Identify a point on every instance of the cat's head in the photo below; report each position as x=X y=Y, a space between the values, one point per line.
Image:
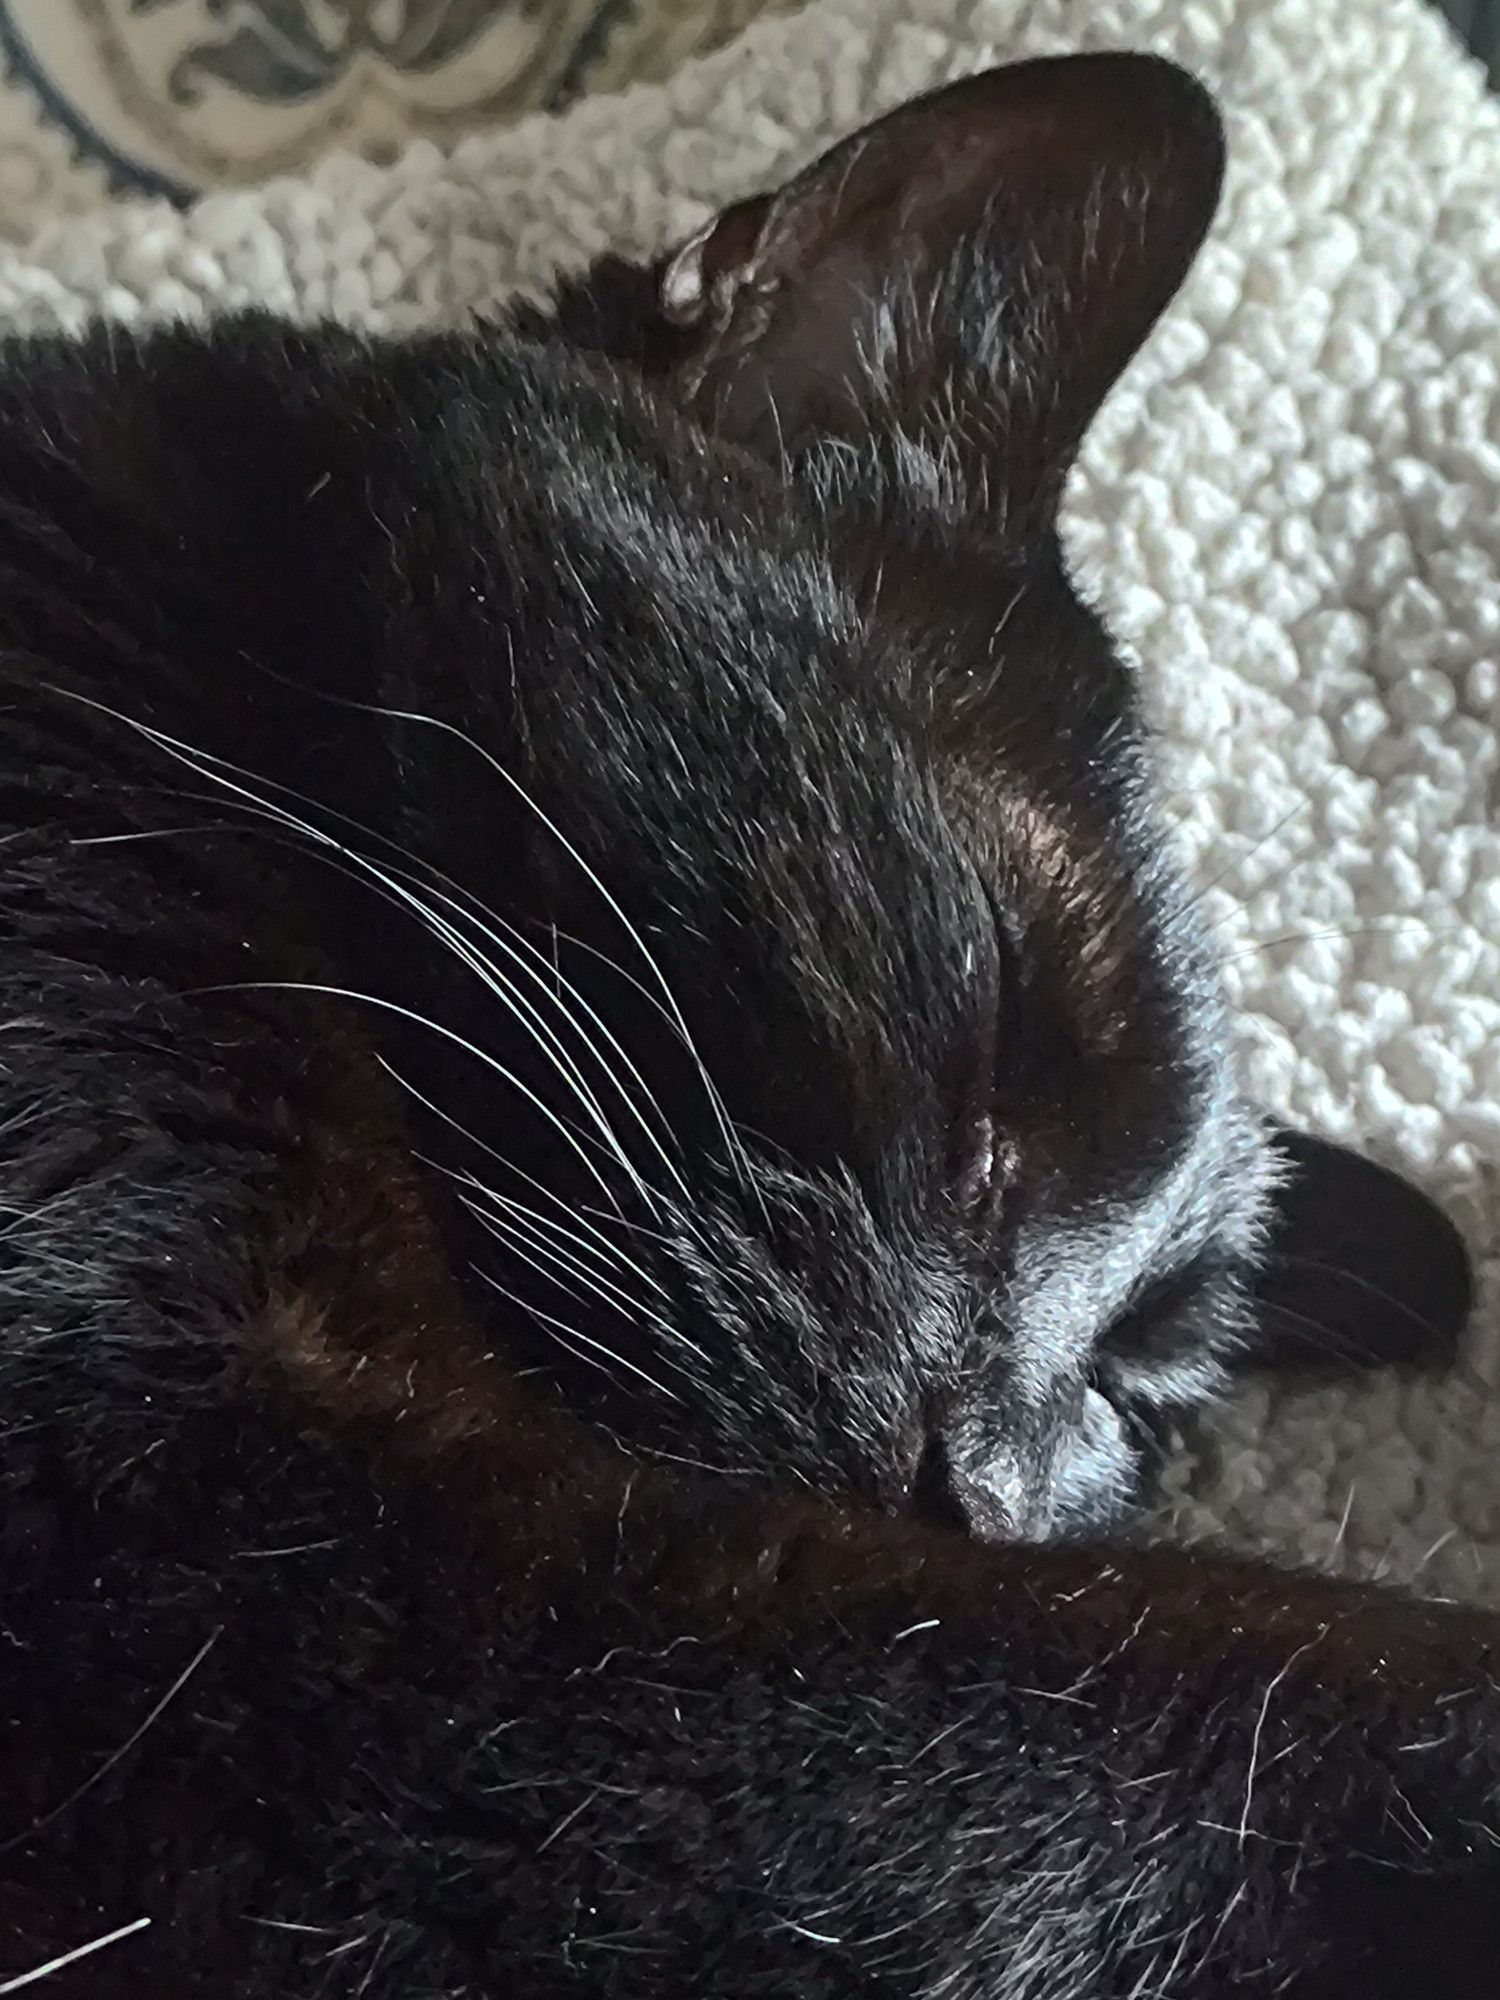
x=856 y=1103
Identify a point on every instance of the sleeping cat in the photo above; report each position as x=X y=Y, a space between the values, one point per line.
x=619 y=1153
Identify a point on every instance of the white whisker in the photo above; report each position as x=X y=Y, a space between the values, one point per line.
x=635 y=1228
x=530 y=1246
x=533 y=1256
x=545 y=1037
x=595 y=1243
x=72 y=1957
x=467 y=1179
x=462 y=901
x=434 y=1027
x=144 y=833
x=115 y=1757
x=591 y=875
x=607 y=1249
x=200 y=761
x=566 y=1335
x=579 y=1243
x=331 y=853
x=188 y=754
x=603 y=1287
x=280 y=816
x=548 y=975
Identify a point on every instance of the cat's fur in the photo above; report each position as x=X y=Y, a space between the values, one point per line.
x=617 y=1142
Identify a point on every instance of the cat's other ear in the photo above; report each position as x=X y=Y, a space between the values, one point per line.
x=977 y=268
x=1362 y=1270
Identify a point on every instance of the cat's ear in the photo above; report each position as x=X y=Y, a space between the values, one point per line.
x=977 y=267
x=1362 y=1270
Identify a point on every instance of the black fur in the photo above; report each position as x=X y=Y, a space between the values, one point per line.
x=615 y=1128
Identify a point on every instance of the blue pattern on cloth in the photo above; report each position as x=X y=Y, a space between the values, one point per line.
x=173 y=97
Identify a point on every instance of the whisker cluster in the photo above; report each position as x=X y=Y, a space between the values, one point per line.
x=607 y=1116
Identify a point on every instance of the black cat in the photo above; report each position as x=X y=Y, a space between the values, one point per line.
x=617 y=1145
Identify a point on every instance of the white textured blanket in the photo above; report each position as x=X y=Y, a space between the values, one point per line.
x=1291 y=509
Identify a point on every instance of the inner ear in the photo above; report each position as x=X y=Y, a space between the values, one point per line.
x=1362 y=1269
x=978 y=265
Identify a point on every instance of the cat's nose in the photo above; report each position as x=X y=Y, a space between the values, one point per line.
x=988 y=1496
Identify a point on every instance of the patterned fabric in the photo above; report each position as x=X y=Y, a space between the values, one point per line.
x=101 y=98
